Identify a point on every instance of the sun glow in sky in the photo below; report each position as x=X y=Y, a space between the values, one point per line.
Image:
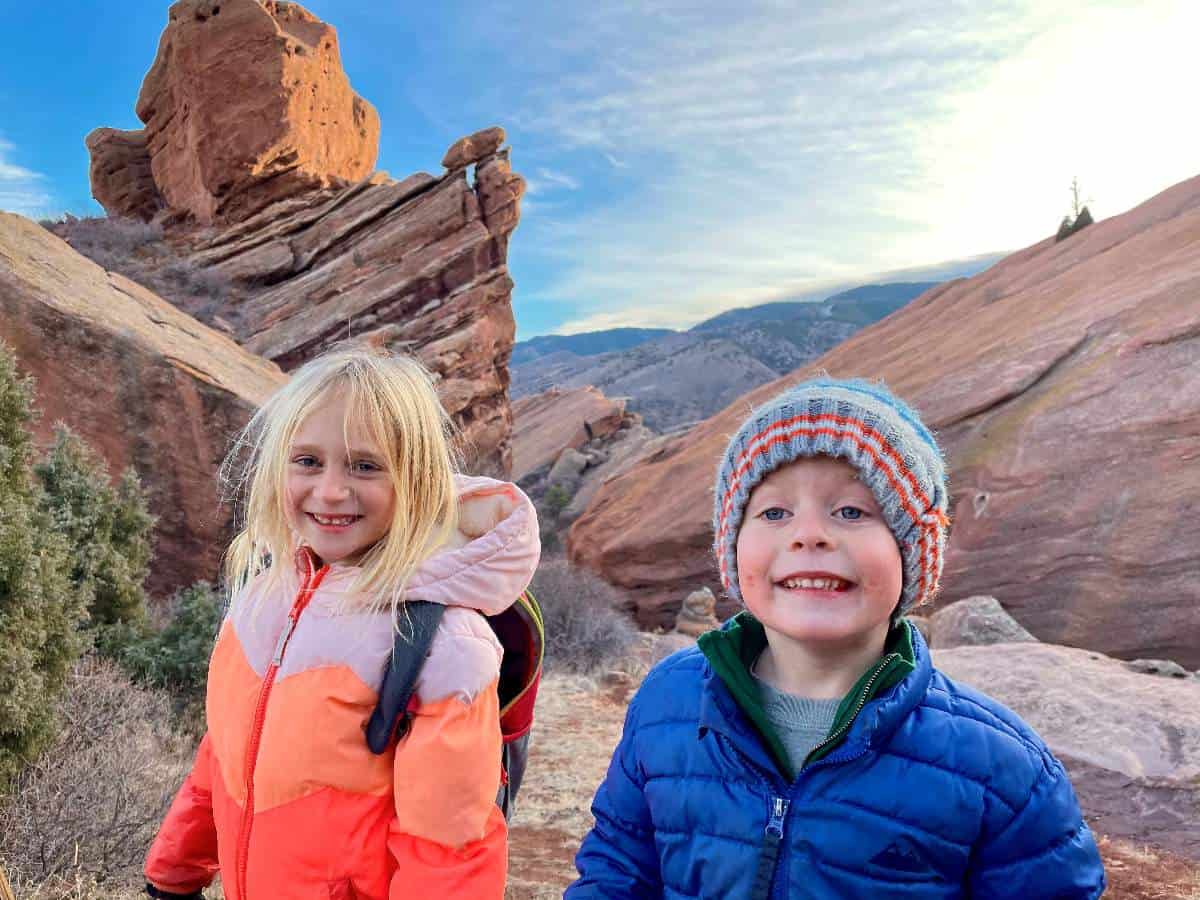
x=687 y=156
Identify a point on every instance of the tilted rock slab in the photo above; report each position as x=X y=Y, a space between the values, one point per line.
x=246 y=103
x=1130 y=742
x=146 y=385
x=1064 y=383
x=547 y=423
x=418 y=265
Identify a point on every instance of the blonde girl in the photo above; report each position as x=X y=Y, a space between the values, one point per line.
x=352 y=507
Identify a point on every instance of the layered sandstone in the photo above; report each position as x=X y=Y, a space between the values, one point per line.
x=246 y=103
x=143 y=383
x=253 y=131
x=1064 y=383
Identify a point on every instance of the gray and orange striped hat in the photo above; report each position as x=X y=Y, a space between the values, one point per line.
x=878 y=434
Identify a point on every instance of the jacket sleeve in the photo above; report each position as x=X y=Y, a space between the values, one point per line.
x=449 y=838
x=1044 y=849
x=183 y=857
x=617 y=857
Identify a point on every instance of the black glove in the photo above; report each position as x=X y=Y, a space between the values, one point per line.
x=167 y=895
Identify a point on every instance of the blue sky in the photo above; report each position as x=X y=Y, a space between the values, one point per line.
x=687 y=157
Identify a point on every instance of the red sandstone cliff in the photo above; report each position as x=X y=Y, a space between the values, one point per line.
x=1064 y=383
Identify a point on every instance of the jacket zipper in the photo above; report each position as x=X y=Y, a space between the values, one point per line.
x=307 y=587
x=862 y=701
x=768 y=861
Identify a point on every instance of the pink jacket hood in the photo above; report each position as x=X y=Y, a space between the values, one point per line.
x=491 y=558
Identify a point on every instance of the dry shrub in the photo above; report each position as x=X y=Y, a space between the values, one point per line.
x=83 y=815
x=585 y=629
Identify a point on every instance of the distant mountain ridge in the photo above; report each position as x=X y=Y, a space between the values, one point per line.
x=587 y=343
x=673 y=378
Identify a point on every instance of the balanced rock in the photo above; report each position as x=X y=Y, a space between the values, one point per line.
x=146 y=385
x=473 y=147
x=246 y=103
x=976 y=620
x=698 y=613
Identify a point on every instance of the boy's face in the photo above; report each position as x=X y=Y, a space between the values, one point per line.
x=816 y=562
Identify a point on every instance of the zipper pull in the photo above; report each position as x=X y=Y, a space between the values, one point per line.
x=779 y=808
x=283 y=639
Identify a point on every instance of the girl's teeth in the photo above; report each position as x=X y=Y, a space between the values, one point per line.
x=327 y=520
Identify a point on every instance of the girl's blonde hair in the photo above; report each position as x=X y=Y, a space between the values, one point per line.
x=392 y=399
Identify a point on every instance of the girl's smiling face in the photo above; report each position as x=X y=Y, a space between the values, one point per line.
x=340 y=498
x=817 y=564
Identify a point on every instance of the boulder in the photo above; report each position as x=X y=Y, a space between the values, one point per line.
x=1130 y=743
x=976 y=620
x=698 y=613
x=1164 y=667
x=567 y=469
x=1064 y=385
x=146 y=385
x=246 y=103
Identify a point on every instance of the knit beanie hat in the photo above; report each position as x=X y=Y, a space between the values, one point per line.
x=871 y=429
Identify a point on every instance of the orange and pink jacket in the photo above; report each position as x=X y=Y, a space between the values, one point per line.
x=286 y=801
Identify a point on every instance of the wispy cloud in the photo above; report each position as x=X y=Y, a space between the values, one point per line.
x=767 y=147
x=559 y=179
x=22 y=190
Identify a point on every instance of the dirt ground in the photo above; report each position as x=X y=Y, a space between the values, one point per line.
x=578 y=724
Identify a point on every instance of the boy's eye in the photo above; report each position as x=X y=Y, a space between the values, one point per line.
x=774 y=513
x=850 y=513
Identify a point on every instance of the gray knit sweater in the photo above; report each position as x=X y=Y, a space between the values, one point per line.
x=800 y=722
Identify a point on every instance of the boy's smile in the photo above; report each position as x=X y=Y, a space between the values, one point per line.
x=817 y=564
x=339 y=500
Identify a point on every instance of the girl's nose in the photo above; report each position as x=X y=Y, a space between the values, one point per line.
x=333 y=485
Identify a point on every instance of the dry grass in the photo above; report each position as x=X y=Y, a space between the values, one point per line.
x=585 y=630
x=81 y=818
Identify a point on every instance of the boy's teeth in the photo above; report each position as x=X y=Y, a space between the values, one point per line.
x=814 y=584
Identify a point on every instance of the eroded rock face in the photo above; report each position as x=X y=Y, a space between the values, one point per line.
x=246 y=103
x=122 y=180
x=146 y=385
x=1064 y=384
x=975 y=620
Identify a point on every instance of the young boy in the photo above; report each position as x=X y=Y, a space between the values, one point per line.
x=809 y=748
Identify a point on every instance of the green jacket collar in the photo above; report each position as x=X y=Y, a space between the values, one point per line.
x=732 y=650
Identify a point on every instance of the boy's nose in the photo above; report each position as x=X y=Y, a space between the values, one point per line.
x=811 y=531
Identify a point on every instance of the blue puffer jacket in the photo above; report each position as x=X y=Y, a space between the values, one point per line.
x=937 y=791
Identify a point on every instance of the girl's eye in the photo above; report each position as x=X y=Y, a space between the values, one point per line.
x=305 y=462
x=774 y=514
x=849 y=513
x=365 y=467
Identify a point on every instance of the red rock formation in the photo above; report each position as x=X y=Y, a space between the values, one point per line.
x=547 y=423
x=143 y=383
x=121 y=175
x=246 y=103
x=1064 y=383
x=252 y=125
